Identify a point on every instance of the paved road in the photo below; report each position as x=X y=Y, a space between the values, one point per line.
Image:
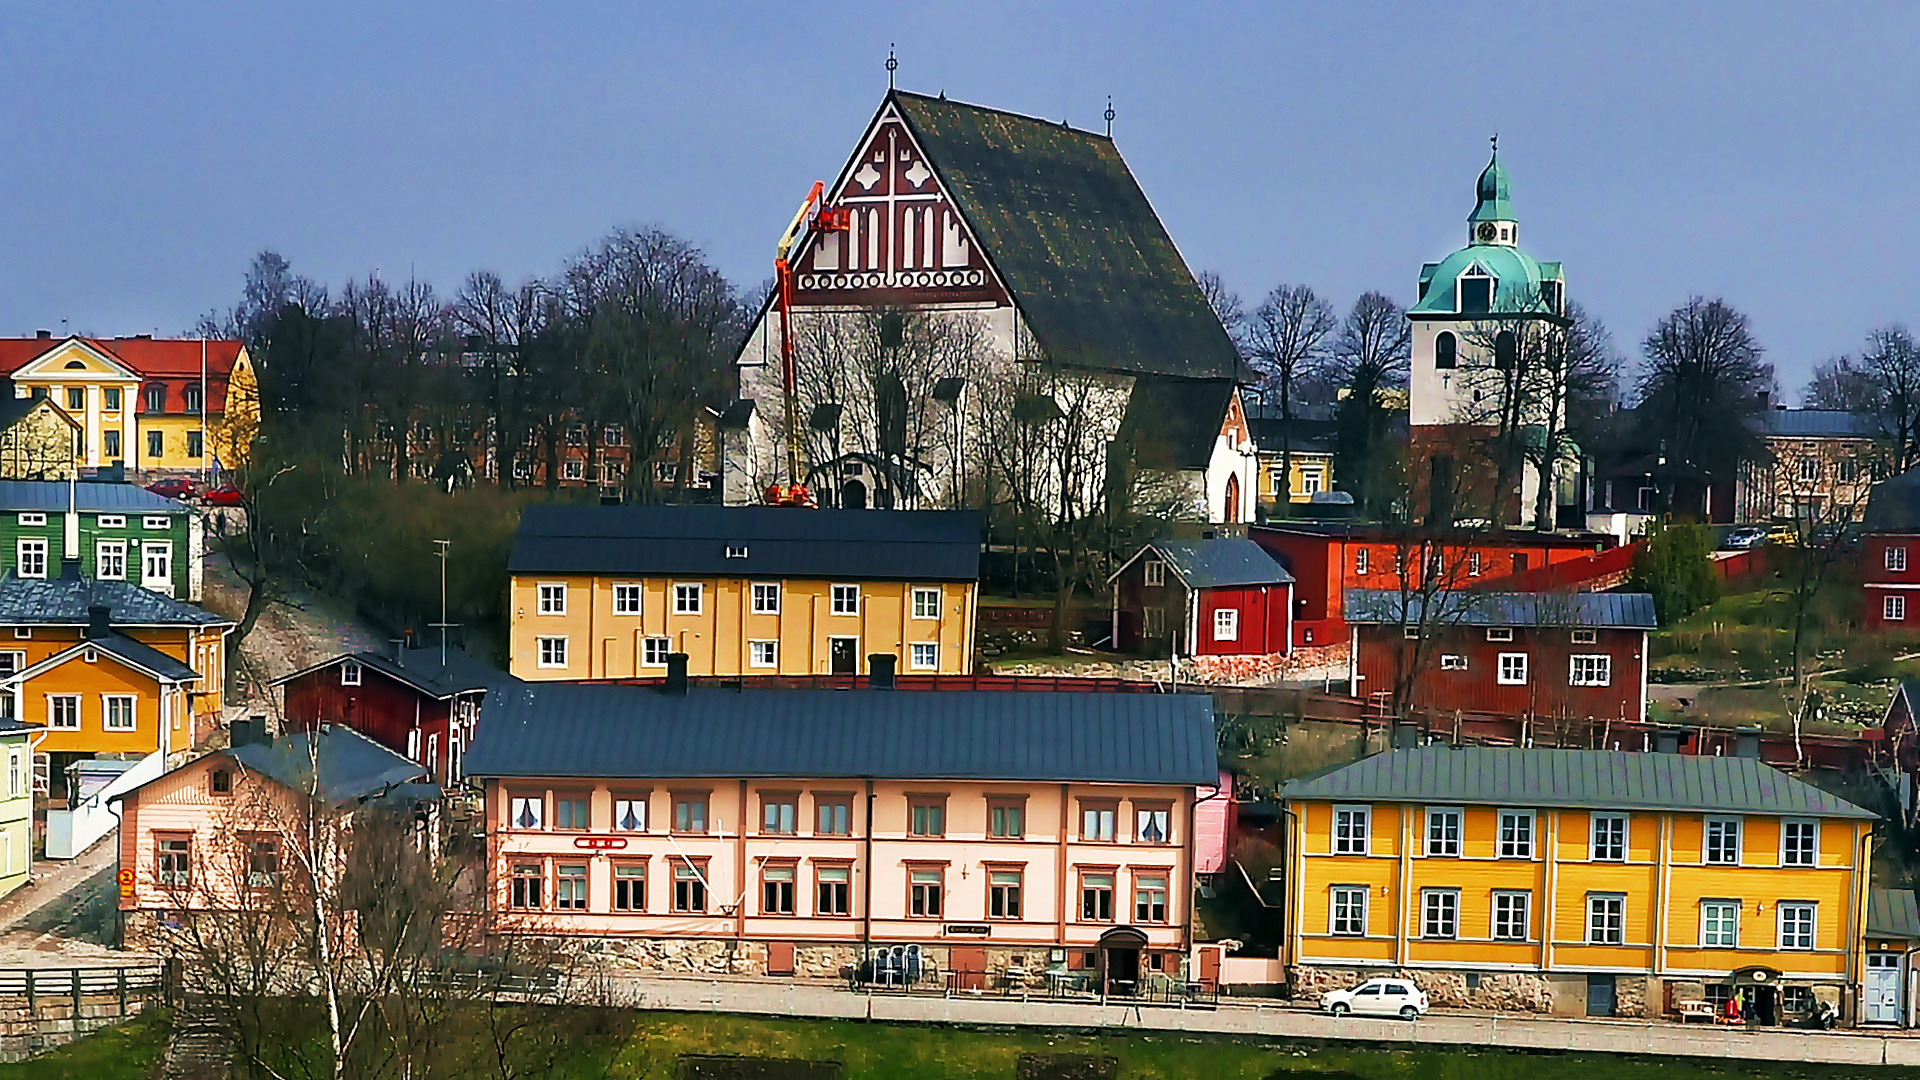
x=1274 y=1020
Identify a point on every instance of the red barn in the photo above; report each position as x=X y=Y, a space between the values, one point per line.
x=1328 y=558
x=1216 y=597
x=1890 y=556
x=1575 y=655
x=409 y=702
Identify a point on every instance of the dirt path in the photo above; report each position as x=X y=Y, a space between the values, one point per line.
x=289 y=636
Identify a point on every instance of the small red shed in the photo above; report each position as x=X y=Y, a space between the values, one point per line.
x=408 y=701
x=1220 y=596
x=1574 y=655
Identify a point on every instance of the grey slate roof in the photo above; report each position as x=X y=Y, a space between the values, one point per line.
x=1820 y=423
x=89 y=497
x=1893 y=913
x=1222 y=562
x=1067 y=227
x=350 y=765
x=1603 y=779
x=1465 y=607
x=64 y=602
x=781 y=542
x=1894 y=504
x=571 y=730
x=145 y=656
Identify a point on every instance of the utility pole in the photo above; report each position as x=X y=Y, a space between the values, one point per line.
x=443 y=624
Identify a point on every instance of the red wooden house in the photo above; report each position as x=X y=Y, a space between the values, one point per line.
x=1328 y=558
x=407 y=701
x=1573 y=655
x=1216 y=597
x=1890 y=556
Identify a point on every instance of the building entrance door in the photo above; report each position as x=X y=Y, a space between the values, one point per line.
x=844 y=654
x=1599 y=995
x=1882 y=1005
x=968 y=965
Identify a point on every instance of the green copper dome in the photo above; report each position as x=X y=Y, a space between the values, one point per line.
x=1492 y=193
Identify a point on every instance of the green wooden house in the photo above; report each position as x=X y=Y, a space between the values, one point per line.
x=117 y=532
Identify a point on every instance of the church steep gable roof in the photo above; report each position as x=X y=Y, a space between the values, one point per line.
x=1066 y=226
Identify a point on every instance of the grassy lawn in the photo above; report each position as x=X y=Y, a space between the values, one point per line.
x=131 y=1051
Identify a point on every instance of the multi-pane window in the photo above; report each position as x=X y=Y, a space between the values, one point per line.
x=528 y=882
x=1606 y=919
x=1226 y=625
x=1594 y=670
x=1893 y=608
x=779 y=814
x=1609 y=838
x=156 y=444
x=926 y=603
x=553 y=598
x=1097 y=822
x=110 y=560
x=263 y=861
x=833 y=889
x=553 y=651
x=690 y=813
x=1513 y=669
x=77 y=398
x=766 y=598
x=32 y=558
x=63 y=712
x=927 y=817
x=526 y=812
x=1453 y=662
x=630 y=815
x=1719 y=924
x=1350 y=910
x=1096 y=897
x=570 y=812
x=1499 y=633
x=1443 y=832
x=776 y=889
x=924 y=888
x=111 y=521
x=833 y=815
x=1153 y=573
x=1150 y=898
x=654 y=650
x=119 y=712
x=570 y=887
x=1723 y=840
x=1796 y=925
x=1003 y=894
x=1512 y=915
x=350 y=673
x=1360 y=561
x=626 y=599
x=629 y=887
x=1007 y=819
x=1896 y=557
x=923 y=655
x=1350 y=830
x=689 y=887
x=1153 y=621
x=1809 y=469
x=1516 y=834
x=1439 y=913
x=686 y=598
x=1473 y=564
x=173 y=860
x=1150 y=824
x=846 y=600
x=763 y=653
x=1799 y=843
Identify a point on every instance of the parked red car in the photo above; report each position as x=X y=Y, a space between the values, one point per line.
x=224 y=495
x=173 y=487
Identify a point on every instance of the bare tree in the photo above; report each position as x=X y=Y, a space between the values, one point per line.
x=1702 y=383
x=1841 y=383
x=1226 y=306
x=1369 y=359
x=1287 y=336
x=1891 y=362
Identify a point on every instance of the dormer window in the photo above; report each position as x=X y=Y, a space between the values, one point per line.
x=736 y=551
x=350 y=673
x=192 y=397
x=1476 y=293
x=1445 y=349
x=1550 y=296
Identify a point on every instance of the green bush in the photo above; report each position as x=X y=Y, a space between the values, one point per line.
x=1676 y=566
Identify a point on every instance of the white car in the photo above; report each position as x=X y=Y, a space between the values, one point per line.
x=1377 y=997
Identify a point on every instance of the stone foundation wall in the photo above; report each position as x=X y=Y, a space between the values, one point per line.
x=1252 y=670
x=1508 y=991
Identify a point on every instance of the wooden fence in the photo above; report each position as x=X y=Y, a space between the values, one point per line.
x=41 y=1008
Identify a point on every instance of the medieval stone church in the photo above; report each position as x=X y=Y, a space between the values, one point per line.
x=1003 y=316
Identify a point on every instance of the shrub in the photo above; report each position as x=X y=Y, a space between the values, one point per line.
x=1676 y=567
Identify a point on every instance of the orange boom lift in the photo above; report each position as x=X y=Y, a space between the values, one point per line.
x=824 y=219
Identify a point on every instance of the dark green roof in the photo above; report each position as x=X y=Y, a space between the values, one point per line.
x=1174 y=423
x=1071 y=234
x=1601 y=779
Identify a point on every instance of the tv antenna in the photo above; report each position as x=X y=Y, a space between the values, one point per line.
x=443 y=624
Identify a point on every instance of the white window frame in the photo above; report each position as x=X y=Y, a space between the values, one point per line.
x=573 y=469
x=844 y=600
x=1312 y=482
x=38 y=547
x=1361 y=561
x=1499 y=633
x=932 y=655
x=32 y=518
x=1519 y=842
x=654 y=650
x=1787 y=825
x=1153 y=573
x=1584 y=637
x=1593 y=837
x=110 y=521
x=110 y=560
x=689 y=597
x=627 y=597
x=1719 y=924
x=638 y=807
x=1473 y=564
x=1453 y=661
x=536 y=803
x=156 y=521
x=53 y=719
x=736 y=551
x=1153 y=621
x=1449 y=821
x=1517 y=907
x=1226 y=624
x=763 y=654
x=1796 y=908
x=1505 y=675
x=108 y=702
x=765 y=596
x=1893 y=608
x=1598 y=669
x=350 y=672
x=1606 y=919
x=553 y=597
x=926 y=603
x=1359 y=840
x=1440 y=906
x=1721 y=824
x=1342 y=919
x=550 y=651
x=1896 y=558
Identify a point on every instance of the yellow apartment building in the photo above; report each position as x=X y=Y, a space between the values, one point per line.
x=1577 y=882
x=609 y=592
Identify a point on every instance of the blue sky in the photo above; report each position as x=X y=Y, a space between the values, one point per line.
x=1762 y=152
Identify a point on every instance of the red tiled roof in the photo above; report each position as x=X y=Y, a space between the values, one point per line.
x=174 y=362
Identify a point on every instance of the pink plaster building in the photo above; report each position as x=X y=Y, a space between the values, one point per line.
x=981 y=835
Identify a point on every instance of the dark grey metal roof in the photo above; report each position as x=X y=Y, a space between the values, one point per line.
x=1466 y=607
x=1894 y=504
x=350 y=765
x=64 y=602
x=1893 y=913
x=1222 y=562
x=1820 y=423
x=143 y=655
x=1606 y=779
x=422 y=670
x=88 y=497
x=919 y=545
x=570 y=730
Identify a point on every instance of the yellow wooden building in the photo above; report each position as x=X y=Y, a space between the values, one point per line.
x=38 y=441
x=107 y=667
x=608 y=592
x=1577 y=881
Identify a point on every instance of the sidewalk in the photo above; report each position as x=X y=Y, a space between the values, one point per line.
x=52 y=880
x=1274 y=1020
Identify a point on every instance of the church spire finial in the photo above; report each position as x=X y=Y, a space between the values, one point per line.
x=893 y=65
x=1496 y=144
x=1109 y=115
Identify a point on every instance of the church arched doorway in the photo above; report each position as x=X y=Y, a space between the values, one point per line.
x=1233 y=499
x=853 y=495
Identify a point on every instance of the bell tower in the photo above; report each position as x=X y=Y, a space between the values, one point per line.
x=1492 y=220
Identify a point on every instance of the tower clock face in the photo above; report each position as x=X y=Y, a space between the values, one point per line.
x=1486 y=230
